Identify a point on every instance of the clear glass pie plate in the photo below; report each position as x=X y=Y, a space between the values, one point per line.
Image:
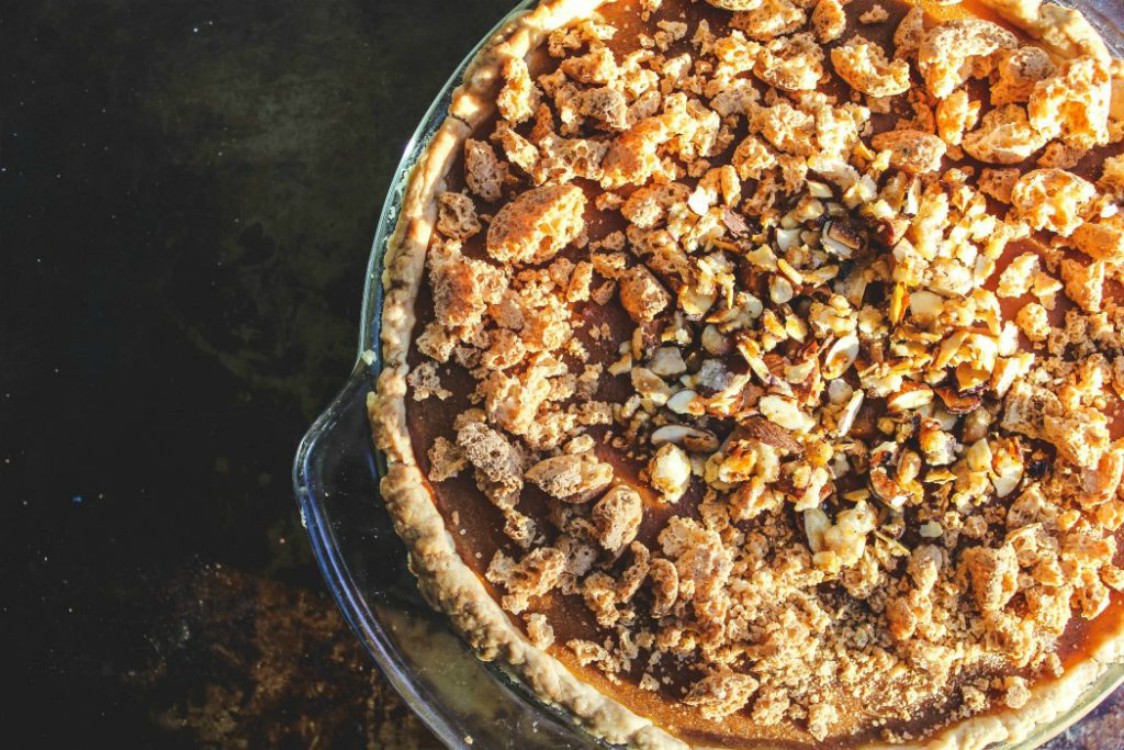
x=465 y=702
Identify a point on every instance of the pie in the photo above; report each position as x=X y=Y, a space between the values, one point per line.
x=752 y=368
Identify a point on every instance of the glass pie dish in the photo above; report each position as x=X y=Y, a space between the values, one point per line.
x=465 y=702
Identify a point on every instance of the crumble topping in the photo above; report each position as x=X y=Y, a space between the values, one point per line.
x=849 y=434
x=865 y=67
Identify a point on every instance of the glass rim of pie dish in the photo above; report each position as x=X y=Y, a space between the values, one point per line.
x=381 y=609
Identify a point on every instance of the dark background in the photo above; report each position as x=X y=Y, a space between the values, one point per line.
x=187 y=196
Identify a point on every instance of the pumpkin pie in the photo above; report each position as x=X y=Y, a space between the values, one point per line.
x=752 y=368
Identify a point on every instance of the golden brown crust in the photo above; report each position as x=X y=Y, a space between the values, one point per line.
x=449 y=584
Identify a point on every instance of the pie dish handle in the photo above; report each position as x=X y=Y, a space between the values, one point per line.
x=335 y=476
x=457 y=696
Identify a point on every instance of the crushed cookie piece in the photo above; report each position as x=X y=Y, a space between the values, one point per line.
x=498 y=461
x=829 y=20
x=534 y=575
x=642 y=295
x=535 y=226
x=952 y=52
x=1102 y=240
x=910 y=33
x=1004 y=137
x=1034 y=321
x=911 y=151
x=876 y=14
x=1018 y=72
x=539 y=630
x=446 y=460
x=993 y=573
x=1073 y=104
x=1084 y=283
x=768 y=19
x=462 y=287
x=571 y=478
x=456 y=216
x=617 y=516
x=787 y=128
x=1017 y=278
x=956 y=115
x=519 y=98
x=1051 y=199
x=864 y=66
x=721 y=694
x=792 y=63
x=425 y=382
x=1061 y=156
x=998 y=183
x=483 y=170
x=822 y=715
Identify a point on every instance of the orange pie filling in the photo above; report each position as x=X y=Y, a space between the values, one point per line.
x=768 y=361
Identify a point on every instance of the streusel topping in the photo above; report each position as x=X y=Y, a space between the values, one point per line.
x=784 y=340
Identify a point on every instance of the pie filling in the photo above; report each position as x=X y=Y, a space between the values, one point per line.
x=768 y=361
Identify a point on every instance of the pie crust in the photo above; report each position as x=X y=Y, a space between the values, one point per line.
x=445 y=580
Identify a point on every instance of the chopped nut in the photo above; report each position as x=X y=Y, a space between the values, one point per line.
x=785 y=413
x=911 y=396
x=691 y=438
x=670 y=472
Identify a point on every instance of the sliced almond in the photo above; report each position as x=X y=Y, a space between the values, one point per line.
x=956 y=402
x=912 y=395
x=681 y=402
x=840 y=357
x=691 y=438
x=785 y=412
